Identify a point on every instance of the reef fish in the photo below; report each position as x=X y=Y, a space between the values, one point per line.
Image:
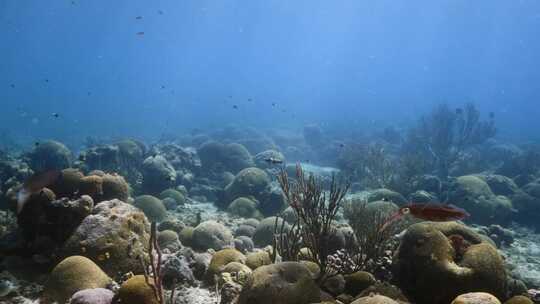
x=428 y=212
x=35 y=184
x=272 y=160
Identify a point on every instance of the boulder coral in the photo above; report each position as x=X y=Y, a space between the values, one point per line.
x=476 y=298
x=244 y=207
x=255 y=183
x=92 y=296
x=115 y=235
x=73 y=274
x=286 y=282
x=519 y=300
x=436 y=262
x=221 y=259
x=374 y=299
x=474 y=195
x=248 y=182
x=158 y=174
x=211 y=234
x=264 y=233
x=176 y=195
x=50 y=155
x=527 y=202
x=114 y=186
x=358 y=281
x=137 y=291
x=152 y=207
x=217 y=157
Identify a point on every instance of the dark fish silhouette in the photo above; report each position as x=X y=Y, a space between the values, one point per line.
x=140 y=33
x=138 y=17
x=273 y=161
x=34 y=184
x=55 y=115
x=235 y=107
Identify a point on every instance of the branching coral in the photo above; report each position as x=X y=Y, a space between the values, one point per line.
x=287 y=241
x=369 y=163
x=315 y=212
x=369 y=242
x=444 y=134
x=153 y=272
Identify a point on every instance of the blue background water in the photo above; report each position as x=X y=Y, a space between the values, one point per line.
x=347 y=63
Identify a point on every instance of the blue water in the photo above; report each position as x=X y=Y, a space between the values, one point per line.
x=349 y=64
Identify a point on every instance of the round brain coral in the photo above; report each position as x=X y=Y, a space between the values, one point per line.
x=152 y=207
x=73 y=274
x=429 y=269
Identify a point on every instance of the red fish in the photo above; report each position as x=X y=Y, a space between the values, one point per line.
x=429 y=212
x=34 y=184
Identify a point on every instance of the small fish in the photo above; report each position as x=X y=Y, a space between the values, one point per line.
x=89 y=93
x=235 y=107
x=47 y=80
x=273 y=104
x=249 y=99
x=140 y=33
x=491 y=115
x=55 y=115
x=428 y=212
x=138 y=17
x=160 y=12
x=36 y=144
x=342 y=145
x=34 y=184
x=12 y=86
x=459 y=111
x=273 y=161
x=162 y=87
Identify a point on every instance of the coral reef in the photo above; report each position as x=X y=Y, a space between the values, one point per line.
x=474 y=195
x=287 y=282
x=49 y=155
x=152 y=207
x=233 y=223
x=218 y=157
x=211 y=234
x=436 y=262
x=66 y=279
x=115 y=235
x=137 y=290
x=158 y=174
